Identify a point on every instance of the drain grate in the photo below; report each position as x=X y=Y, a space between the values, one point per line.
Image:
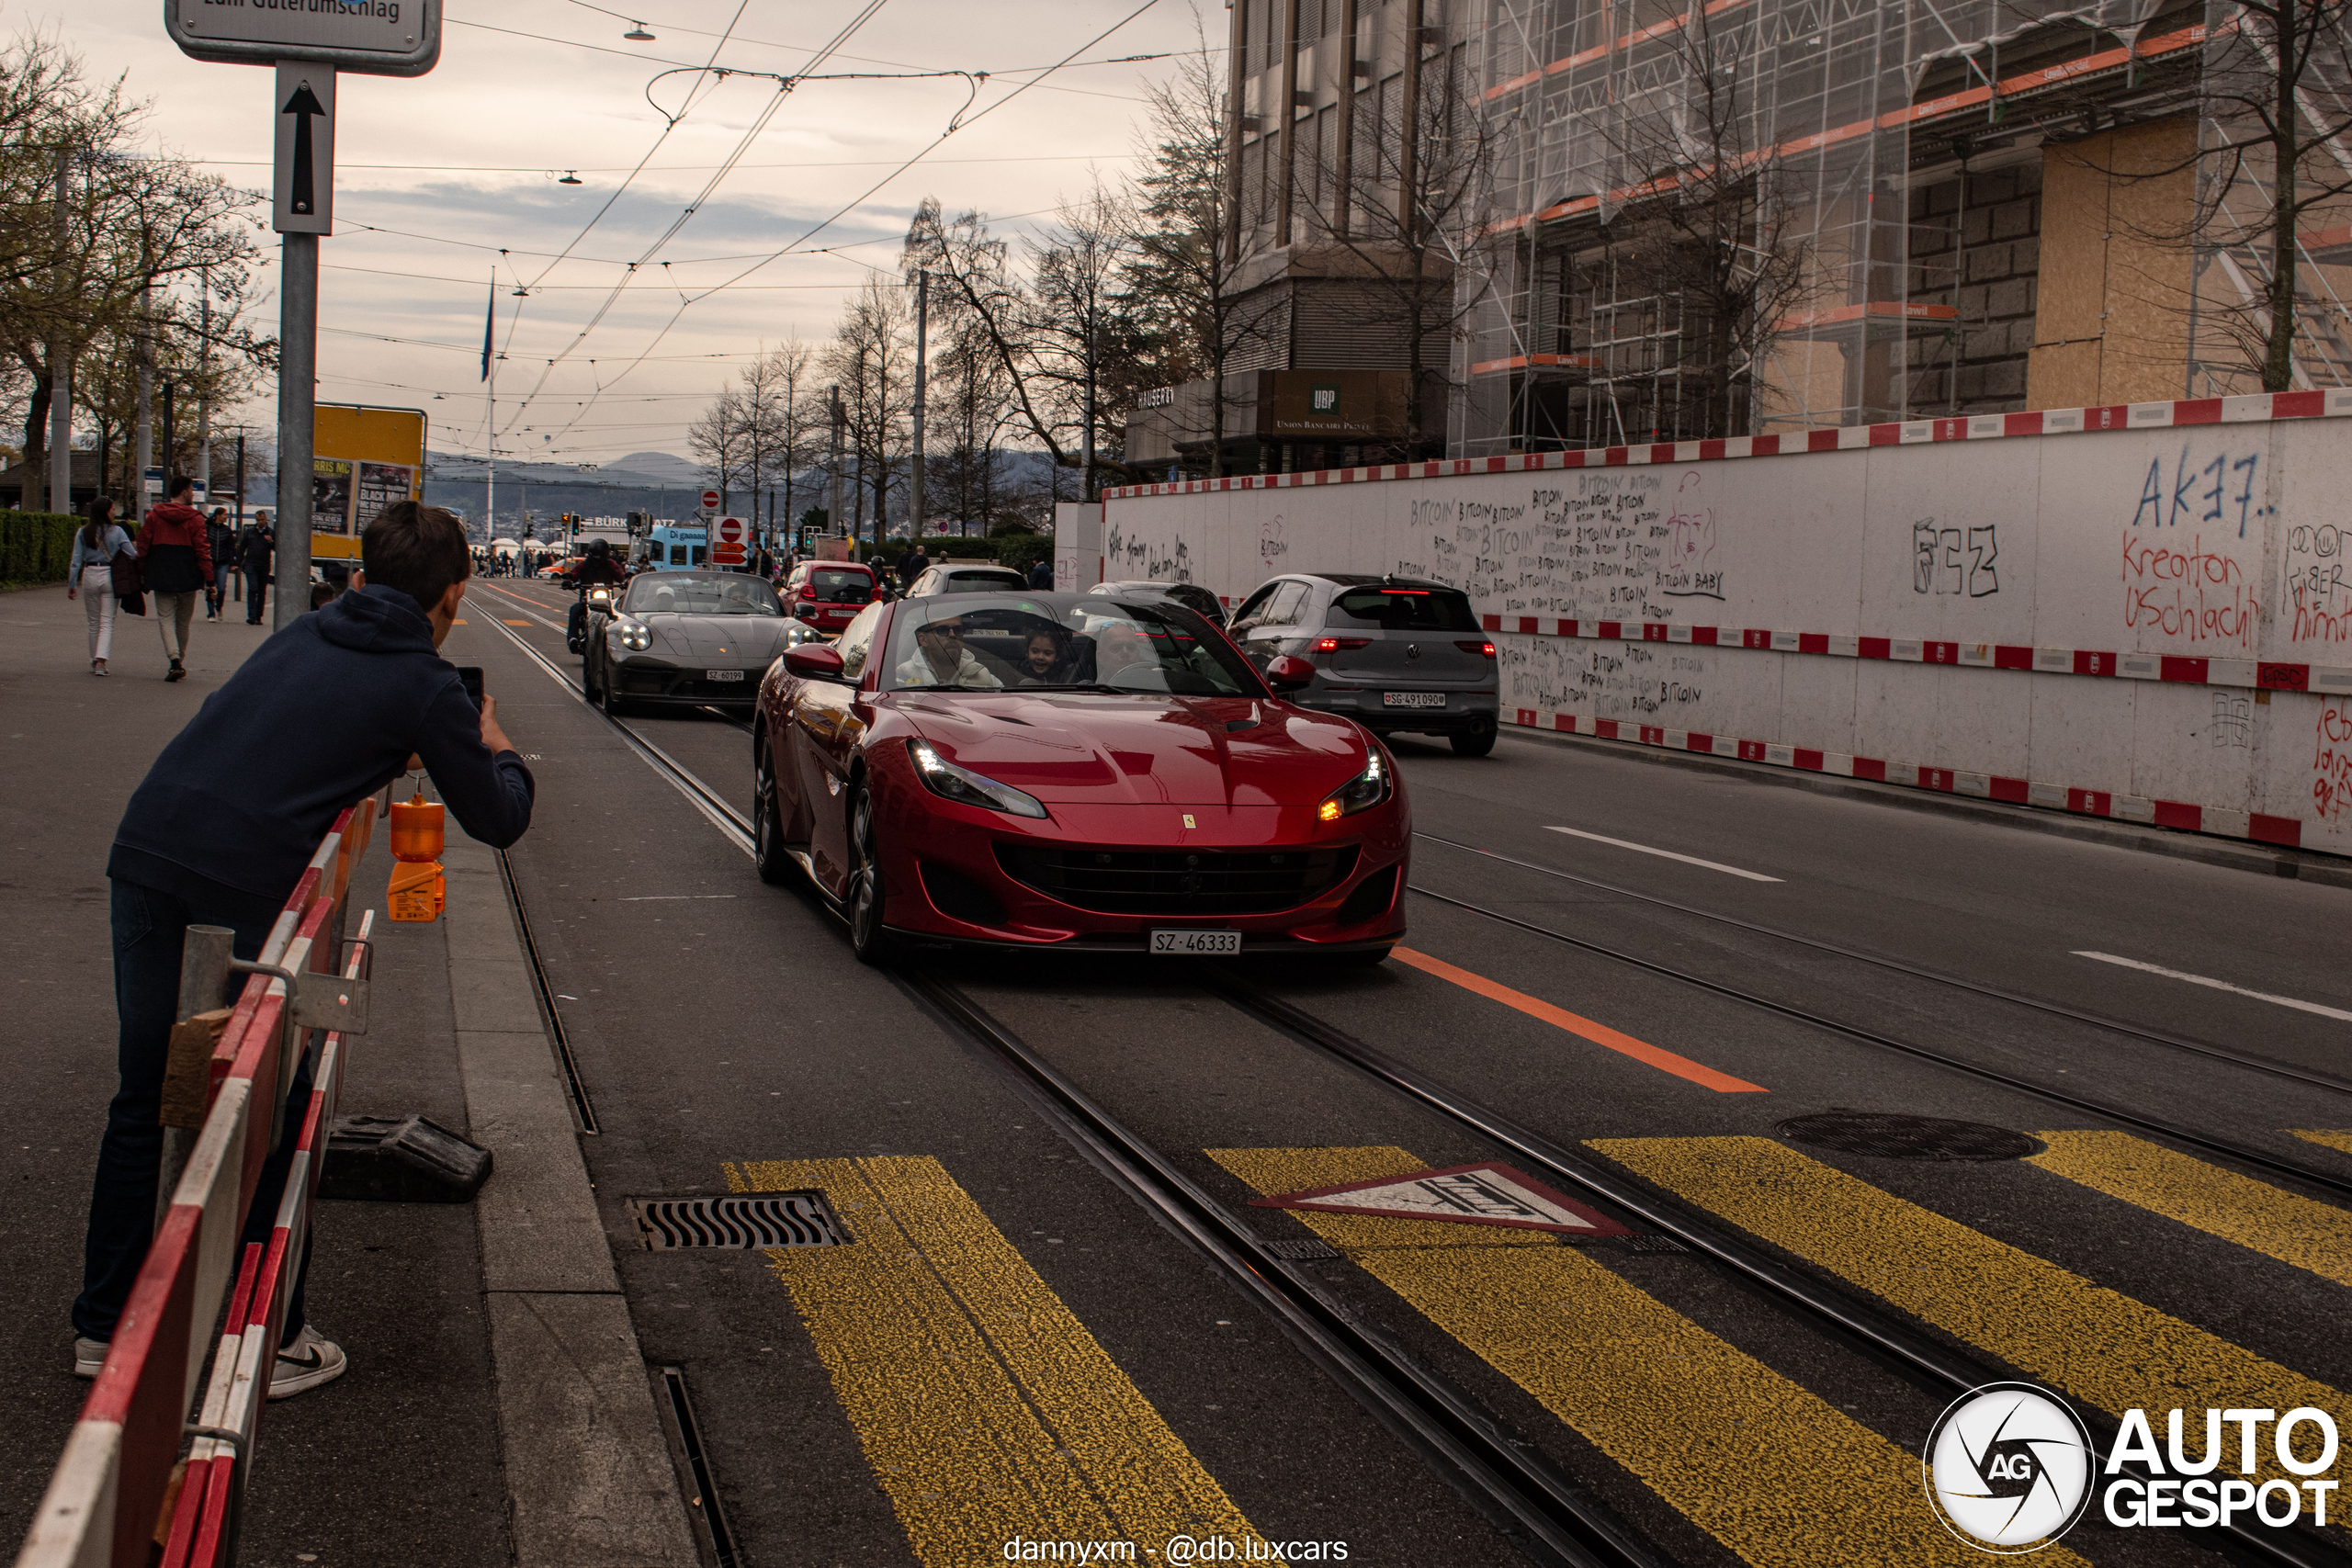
x=1892 y=1137
x=770 y=1219
x=1302 y=1251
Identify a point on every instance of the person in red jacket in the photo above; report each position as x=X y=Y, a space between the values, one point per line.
x=175 y=557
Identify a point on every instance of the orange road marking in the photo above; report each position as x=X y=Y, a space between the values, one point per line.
x=1600 y=1034
x=509 y=623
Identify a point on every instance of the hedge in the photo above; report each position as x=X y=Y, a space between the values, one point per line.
x=35 y=546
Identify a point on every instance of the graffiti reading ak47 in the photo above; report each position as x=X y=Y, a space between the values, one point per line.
x=2207 y=492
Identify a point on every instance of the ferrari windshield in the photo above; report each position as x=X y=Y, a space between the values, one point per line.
x=997 y=642
x=672 y=593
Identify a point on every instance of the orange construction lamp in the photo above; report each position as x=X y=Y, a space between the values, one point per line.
x=416 y=893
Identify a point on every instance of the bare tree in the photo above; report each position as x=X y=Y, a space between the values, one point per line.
x=2275 y=98
x=721 y=437
x=872 y=360
x=1192 y=244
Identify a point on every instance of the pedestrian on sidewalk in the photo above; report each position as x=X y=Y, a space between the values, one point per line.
x=177 y=555
x=90 y=577
x=320 y=716
x=223 y=540
x=255 y=558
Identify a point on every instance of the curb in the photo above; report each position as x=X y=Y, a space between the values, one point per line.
x=2300 y=866
x=589 y=1473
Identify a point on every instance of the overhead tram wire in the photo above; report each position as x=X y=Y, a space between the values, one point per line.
x=743 y=145
x=953 y=125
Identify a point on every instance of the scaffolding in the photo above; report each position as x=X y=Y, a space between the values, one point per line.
x=1578 y=337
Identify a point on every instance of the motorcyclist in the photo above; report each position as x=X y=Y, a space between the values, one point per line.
x=598 y=567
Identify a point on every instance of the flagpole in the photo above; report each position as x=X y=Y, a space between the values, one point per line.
x=490 y=422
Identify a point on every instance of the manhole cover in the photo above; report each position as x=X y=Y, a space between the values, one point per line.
x=1892 y=1136
x=771 y=1219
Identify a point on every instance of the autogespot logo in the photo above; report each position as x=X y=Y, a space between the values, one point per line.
x=2009 y=1468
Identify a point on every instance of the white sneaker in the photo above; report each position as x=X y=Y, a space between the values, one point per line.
x=89 y=1355
x=305 y=1364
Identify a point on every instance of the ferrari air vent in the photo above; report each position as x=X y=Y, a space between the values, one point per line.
x=1178 y=882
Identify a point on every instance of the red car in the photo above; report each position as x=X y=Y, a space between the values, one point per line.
x=828 y=594
x=1073 y=770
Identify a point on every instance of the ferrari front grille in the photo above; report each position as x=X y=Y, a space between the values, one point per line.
x=1178 y=882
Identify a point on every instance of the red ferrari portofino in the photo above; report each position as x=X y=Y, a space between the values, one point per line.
x=1073 y=770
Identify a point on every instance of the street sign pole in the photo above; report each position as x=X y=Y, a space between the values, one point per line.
x=302 y=208
x=307 y=45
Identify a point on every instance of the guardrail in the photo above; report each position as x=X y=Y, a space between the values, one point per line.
x=121 y=1490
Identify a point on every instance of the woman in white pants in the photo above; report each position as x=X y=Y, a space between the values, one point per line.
x=90 y=577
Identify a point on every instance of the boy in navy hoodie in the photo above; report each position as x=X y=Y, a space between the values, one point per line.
x=325 y=714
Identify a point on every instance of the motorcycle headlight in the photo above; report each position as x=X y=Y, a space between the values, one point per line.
x=600 y=598
x=1361 y=793
x=635 y=638
x=943 y=778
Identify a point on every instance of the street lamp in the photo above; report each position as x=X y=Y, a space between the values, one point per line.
x=637 y=33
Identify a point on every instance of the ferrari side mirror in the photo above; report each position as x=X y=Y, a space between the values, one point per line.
x=1288 y=674
x=813 y=661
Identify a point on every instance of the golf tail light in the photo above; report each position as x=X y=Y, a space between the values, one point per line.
x=1485 y=649
x=946 y=780
x=1340 y=644
x=1361 y=793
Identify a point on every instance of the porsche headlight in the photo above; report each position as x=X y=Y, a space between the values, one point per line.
x=1361 y=793
x=633 y=638
x=943 y=778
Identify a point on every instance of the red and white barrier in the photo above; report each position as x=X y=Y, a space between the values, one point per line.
x=105 y=1505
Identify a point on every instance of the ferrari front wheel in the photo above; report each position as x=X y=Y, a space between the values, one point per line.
x=867 y=900
x=776 y=867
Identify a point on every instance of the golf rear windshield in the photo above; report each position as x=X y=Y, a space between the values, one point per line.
x=1405 y=609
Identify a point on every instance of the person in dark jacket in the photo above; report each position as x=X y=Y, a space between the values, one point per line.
x=325 y=713
x=223 y=540
x=255 y=558
x=175 y=554
x=1041 y=575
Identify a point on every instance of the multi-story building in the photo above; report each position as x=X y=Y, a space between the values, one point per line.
x=1758 y=215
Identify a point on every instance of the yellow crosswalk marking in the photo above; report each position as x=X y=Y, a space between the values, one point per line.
x=2334 y=1140
x=1773 y=1473
x=987 y=1410
x=2290 y=1228
x=2095 y=1344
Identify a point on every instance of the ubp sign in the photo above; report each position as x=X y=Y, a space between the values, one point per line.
x=2009 y=1468
x=381 y=37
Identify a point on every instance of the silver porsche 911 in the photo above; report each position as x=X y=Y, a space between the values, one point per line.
x=684 y=639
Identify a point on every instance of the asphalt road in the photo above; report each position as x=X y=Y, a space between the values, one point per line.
x=696 y=959
x=1011 y=1347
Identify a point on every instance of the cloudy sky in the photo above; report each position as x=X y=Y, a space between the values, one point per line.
x=444 y=180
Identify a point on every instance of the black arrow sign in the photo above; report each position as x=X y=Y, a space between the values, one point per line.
x=303 y=200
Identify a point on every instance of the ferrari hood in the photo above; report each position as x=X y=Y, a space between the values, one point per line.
x=734 y=638
x=1075 y=748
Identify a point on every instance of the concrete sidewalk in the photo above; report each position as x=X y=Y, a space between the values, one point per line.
x=411 y=1457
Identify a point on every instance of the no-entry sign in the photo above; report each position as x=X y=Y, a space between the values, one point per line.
x=727 y=536
x=710 y=501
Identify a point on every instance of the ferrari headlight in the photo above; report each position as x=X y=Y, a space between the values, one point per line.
x=1361 y=793
x=943 y=777
x=633 y=638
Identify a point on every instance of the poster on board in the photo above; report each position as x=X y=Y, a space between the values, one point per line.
x=364 y=460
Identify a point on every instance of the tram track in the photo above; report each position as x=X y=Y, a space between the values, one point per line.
x=1551 y=1514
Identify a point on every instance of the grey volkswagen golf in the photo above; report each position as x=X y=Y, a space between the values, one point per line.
x=1393 y=653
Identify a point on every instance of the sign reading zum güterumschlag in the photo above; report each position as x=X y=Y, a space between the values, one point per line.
x=379 y=38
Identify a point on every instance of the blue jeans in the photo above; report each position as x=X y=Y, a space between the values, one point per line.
x=149 y=927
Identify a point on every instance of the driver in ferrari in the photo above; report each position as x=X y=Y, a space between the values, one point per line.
x=942 y=659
